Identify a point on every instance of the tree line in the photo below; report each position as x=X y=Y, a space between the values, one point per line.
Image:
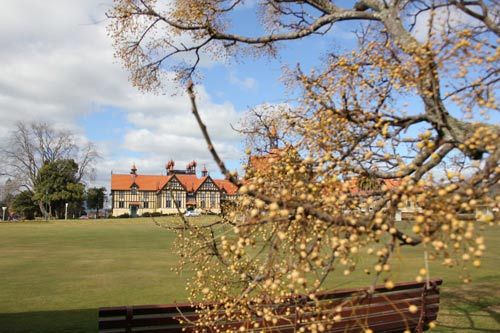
x=46 y=171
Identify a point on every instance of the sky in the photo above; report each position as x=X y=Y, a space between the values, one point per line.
x=58 y=66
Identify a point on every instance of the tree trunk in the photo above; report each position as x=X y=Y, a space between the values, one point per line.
x=42 y=208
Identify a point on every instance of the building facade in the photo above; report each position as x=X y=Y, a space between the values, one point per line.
x=136 y=194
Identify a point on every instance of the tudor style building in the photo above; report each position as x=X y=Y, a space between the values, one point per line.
x=136 y=194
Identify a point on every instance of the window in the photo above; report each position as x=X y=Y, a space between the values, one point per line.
x=212 y=200
x=145 y=196
x=178 y=199
x=168 y=204
x=203 y=199
x=134 y=190
x=146 y=204
x=121 y=204
x=121 y=195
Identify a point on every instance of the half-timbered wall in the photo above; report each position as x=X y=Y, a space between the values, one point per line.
x=167 y=199
x=145 y=199
x=172 y=193
x=148 y=199
x=208 y=196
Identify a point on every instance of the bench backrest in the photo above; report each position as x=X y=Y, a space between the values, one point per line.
x=384 y=310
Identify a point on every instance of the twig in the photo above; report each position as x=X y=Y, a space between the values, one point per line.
x=204 y=130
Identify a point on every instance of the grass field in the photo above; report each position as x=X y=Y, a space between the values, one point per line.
x=54 y=276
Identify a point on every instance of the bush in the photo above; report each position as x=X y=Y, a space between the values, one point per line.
x=124 y=216
x=153 y=214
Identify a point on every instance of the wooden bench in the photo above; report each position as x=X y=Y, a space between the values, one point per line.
x=384 y=310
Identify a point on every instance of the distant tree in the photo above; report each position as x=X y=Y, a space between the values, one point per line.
x=58 y=183
x=6 y=194
x=264 y=127
x=32 y=145
x=95 y=198
x=24 y=205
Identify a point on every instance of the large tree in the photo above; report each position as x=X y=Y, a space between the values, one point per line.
x=412 y=108
x=32 y=145
x=58 y=183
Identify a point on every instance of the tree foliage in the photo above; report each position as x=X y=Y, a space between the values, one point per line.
x=24 y=205
x=95 y=198
x=57 y=183
x=409 y=114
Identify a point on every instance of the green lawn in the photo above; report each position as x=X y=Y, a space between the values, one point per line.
x=54 y=276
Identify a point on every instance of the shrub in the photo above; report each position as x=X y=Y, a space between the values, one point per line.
x=153 y=214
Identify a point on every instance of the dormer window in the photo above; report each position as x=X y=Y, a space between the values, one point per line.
x=134 y=190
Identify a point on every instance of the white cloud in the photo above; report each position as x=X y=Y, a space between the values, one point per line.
x=443 y=18
x=57 y=65
x=244 y=83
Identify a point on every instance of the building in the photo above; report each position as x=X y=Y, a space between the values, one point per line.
x=136 y=194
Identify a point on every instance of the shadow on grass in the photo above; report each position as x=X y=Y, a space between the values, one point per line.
x=470 y=308
x=74 y=321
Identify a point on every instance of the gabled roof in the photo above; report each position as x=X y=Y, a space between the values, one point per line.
x=165 y=182
x=203 y=180
x=144 y=182
x=227 y=186
x=190 y=181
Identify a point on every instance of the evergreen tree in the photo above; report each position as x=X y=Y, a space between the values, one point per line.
x=24 y=205
x=95 y=198
x=57 y=184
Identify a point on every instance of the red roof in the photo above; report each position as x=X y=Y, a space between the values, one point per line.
x=144 y=182
x=263 y=162
x=154 y=183
x=226 y=185
x=392 y=183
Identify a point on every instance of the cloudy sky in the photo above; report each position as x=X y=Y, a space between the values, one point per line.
x=58 y=66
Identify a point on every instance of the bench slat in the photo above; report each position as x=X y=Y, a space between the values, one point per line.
x=145 y=309
x=385 y=310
